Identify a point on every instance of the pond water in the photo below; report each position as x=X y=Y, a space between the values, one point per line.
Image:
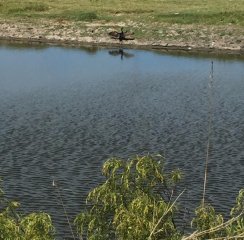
x=64 y=111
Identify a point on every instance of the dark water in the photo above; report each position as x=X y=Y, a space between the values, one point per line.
x=63 y=112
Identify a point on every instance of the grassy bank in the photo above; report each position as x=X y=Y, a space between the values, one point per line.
x=168 y=11
x=203 y=23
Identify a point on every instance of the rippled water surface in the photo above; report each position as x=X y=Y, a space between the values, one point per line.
x=64 y=111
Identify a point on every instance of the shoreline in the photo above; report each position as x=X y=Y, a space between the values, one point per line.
x=69 y=34
x=76 y=43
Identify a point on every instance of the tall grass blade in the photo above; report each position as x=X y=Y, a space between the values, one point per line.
x=210 y=118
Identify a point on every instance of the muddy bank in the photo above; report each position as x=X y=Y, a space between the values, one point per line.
x=212 y=39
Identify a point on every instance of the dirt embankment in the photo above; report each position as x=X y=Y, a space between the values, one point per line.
x=226 y=39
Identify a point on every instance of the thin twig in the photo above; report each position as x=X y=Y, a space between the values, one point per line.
x=209 y=132
x=214 y=229
x=239 y=236
x=65 y=211
x=169 y=208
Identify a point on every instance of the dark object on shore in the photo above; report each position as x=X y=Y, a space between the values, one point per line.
x=121 y=35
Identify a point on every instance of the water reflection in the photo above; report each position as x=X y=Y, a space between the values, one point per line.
x=25 y=46
x=120 y=52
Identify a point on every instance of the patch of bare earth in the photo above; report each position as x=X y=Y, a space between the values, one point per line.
x=148 y=35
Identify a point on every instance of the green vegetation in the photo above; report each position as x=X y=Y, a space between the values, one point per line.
x=213 y=18
x=168 y=11
x=82 y=16
x=135 y=202
x=35 y=226
x=138 y=200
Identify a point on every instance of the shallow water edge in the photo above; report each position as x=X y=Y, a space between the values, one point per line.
x=239 y=52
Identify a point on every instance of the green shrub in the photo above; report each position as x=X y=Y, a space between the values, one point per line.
x=35 y=226
x=135 y=202
x=210 y=225
x=138 y=201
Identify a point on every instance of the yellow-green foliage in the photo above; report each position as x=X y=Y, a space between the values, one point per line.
x=237 y=227
x=206 y=218
x=135 y=202
x=138 y=201
x=210 y=225
x=35 y=226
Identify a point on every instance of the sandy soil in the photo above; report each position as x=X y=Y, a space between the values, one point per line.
x=226 y=39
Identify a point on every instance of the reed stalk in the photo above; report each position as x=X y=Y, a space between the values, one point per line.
x=210 y=118
x=54 y=184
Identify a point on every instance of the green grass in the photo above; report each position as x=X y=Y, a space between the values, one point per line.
x=207 y=12
x=77 y=16
x=27 y=7
x=206 y=18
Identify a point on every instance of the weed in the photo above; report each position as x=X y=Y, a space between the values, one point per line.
x=84 y=16
x=29 y=7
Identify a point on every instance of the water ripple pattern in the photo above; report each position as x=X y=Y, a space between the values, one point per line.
x=64 y=111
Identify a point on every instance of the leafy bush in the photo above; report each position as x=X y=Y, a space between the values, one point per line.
x=35 y=226
x=135 y=202
x=138 y=201
x=210 y=225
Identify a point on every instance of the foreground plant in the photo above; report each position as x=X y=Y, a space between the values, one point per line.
x=137 y=201
x=210 y=225
x=35 y=226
